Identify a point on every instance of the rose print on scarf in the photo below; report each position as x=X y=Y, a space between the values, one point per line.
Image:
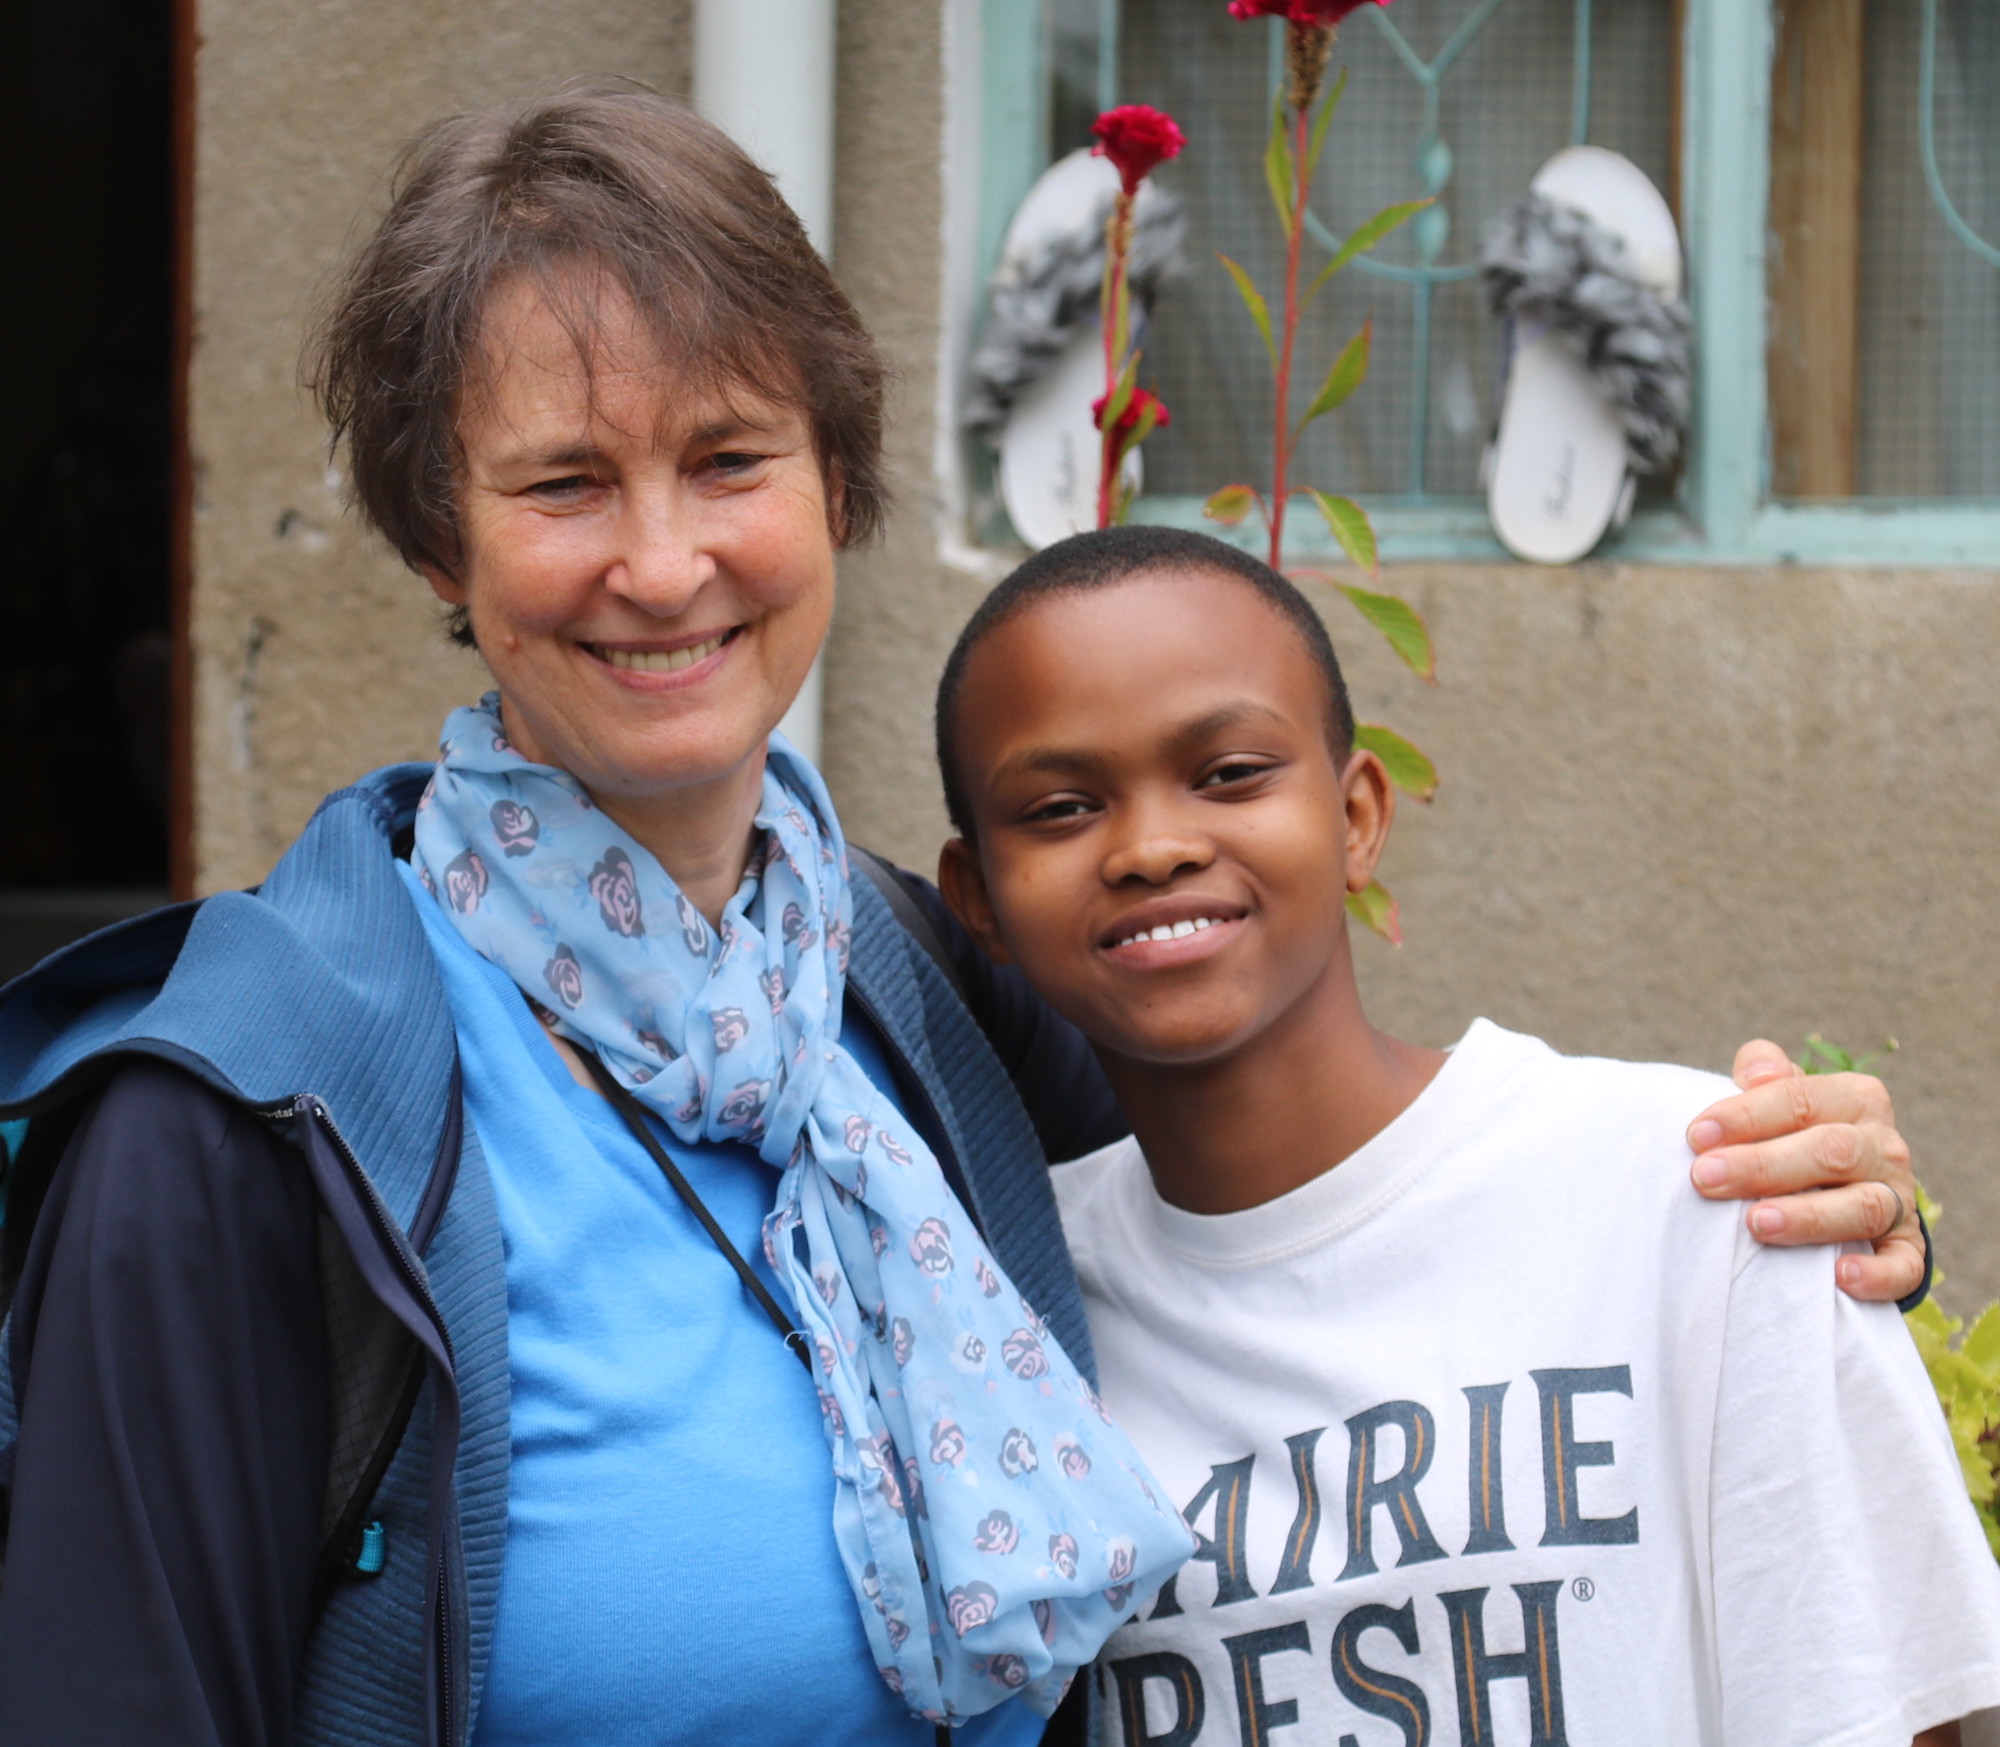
x=968 y=1354
x=1062 y=1554
x=902 y=1340
x=996 y=1533
x=653 y=1041
x=893 y=1150
x=772 y=982
x=1017 y=1454
x=855 y=1132
x=616 y=890
x=565 y=976
x=465 y=882
x=970 y=1605
x=947 y=1444
x=1045 y=1621
x=826 y=1281
x=898 y=1630
x=1008 y=1670
x=913 y=1488
x=1031 y=1319
x=930 y=1248
x=515 y=827
x=693 y=929
x=878 y=1457
x=1072 y=1458
x=989 y=1282
x=743 y=1104
x=878 y=1240
x=731 y=1026
x=836 y=1420
x=1022 y=1354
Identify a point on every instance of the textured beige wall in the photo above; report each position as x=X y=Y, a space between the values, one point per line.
x=315 y=652
x=1680 y=806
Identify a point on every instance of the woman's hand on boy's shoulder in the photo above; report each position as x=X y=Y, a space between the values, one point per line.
x=1820 y=1156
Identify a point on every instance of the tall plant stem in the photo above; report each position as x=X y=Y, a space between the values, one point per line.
x=1118 y=240
x=1281 y=437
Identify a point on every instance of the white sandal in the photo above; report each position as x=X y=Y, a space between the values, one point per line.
x=1585 y=272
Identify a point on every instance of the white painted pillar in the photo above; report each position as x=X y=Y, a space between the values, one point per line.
x=763 y=73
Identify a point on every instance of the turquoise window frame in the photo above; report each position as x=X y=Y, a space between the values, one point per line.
x=1724 y=513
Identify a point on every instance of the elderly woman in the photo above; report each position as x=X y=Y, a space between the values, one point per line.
x=414 y=1262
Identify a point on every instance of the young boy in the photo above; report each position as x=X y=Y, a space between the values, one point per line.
x=1488 y=1430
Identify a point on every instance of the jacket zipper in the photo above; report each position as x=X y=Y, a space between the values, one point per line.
x=313 y=1109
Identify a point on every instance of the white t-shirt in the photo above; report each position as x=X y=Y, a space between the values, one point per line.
x=1498 y=1433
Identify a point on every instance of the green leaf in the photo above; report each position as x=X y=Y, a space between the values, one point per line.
x=1378 y=910
x=1822 y=1057
x=1253 y=301
x=1230 y=505
x=1350 y=526
x=1982 y=1341
x=1349 y=371
x=1278 y=167
x=1410 y=770
x=1400 y=623
x=1330 y=104
x=1371 y=233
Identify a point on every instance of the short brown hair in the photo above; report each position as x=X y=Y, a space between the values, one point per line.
x=609 y=179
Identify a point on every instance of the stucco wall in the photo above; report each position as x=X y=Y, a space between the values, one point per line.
x=1680 y=806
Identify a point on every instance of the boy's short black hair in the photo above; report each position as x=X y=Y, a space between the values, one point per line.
x=1104 y=558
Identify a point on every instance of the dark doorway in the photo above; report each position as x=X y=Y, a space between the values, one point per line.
x=87 y=214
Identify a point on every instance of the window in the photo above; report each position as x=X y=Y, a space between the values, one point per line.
x=1837 y=179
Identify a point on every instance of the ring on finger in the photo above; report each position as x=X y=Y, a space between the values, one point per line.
x=1895 y=1218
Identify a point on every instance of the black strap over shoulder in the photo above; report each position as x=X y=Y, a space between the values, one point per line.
x=634 y=1114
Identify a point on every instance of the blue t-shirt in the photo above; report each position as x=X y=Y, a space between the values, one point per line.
x=671 y=1574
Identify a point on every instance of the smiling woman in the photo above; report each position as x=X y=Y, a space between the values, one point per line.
x=408 y=1233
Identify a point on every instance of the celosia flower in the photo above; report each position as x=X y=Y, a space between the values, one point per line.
x=1135 y=409
x=1137 y=139
x=1300 y=11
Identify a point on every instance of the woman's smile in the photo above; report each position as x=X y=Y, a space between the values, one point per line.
x=663 y=666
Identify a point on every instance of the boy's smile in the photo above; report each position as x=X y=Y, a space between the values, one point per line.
x=1165 y=839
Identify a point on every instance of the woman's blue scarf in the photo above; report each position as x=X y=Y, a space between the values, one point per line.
x=997 y=1528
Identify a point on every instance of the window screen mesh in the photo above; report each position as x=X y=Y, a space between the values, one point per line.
x=1929 y=415
x=1504 y=106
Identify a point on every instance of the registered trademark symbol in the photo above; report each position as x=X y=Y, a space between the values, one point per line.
x=1583 y=1589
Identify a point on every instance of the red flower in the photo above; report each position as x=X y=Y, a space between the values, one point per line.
x=1136 y=138
x=1300 y=11
x=1128 y=420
